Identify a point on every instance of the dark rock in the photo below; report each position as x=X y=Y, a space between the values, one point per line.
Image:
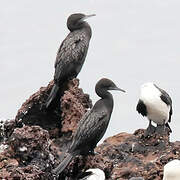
x=28 y=154
x=31 y=114
x=74 y=104
x=128 y=155
x=27 y=149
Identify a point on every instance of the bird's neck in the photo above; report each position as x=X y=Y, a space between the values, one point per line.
x=108 y=101
x=83 y=27
x=87 y=28
x=107 y=98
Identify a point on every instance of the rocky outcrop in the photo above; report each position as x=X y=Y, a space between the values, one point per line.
x=28 y=154
x=130 y=155
x=32 y=143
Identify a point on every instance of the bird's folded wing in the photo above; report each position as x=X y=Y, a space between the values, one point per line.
x=72 y=48
x=91 y=125
x=71 y=53
x=166 y=99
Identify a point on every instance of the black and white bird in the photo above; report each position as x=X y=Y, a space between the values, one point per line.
x=172 y=170
x=156 y=104
x=92 y=126
x=71 y=54
x=92 y=174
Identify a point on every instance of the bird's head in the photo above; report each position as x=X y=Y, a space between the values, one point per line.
x=147 y=85
x=106 y=84
x=76 y=21
x=149 y=91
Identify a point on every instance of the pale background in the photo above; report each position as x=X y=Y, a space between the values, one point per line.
x=133 y=42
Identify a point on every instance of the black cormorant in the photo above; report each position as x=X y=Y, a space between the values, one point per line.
x=71 y=54
x=93 y=124
x=156 y=104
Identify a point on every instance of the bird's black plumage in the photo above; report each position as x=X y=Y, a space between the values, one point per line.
x=164 y=96
x=71 y=54
x=84 y=175
x=93 y=124
x=166 y=99
x=141 y=108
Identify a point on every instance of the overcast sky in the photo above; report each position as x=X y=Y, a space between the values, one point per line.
x=133 y=42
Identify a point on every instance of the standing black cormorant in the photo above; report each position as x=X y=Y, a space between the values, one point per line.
x=72 y=53
x=156 y=104
x=93 y=124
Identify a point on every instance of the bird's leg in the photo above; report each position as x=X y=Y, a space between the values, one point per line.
x=161 y=129
x=150 y=130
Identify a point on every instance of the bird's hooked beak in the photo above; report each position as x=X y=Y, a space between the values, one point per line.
x=87 y=16
x=117 y=89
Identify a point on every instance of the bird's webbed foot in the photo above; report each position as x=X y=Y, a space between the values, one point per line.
x=150 y=130
x=161 y=129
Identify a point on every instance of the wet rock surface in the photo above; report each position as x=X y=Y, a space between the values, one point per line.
x=31 y=144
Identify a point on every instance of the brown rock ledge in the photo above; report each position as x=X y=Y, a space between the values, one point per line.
x=31 y=144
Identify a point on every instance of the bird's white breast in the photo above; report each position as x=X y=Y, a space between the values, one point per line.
x=157 y=110
x=98 y=174
x=172 y=170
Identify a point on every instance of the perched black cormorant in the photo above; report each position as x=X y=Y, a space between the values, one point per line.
x=72 y=53
x=93 y=124
x=156 y=104
x=92 y=174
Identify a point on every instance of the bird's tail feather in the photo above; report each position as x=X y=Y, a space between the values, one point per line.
x=62 y=165
x=52 y=95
